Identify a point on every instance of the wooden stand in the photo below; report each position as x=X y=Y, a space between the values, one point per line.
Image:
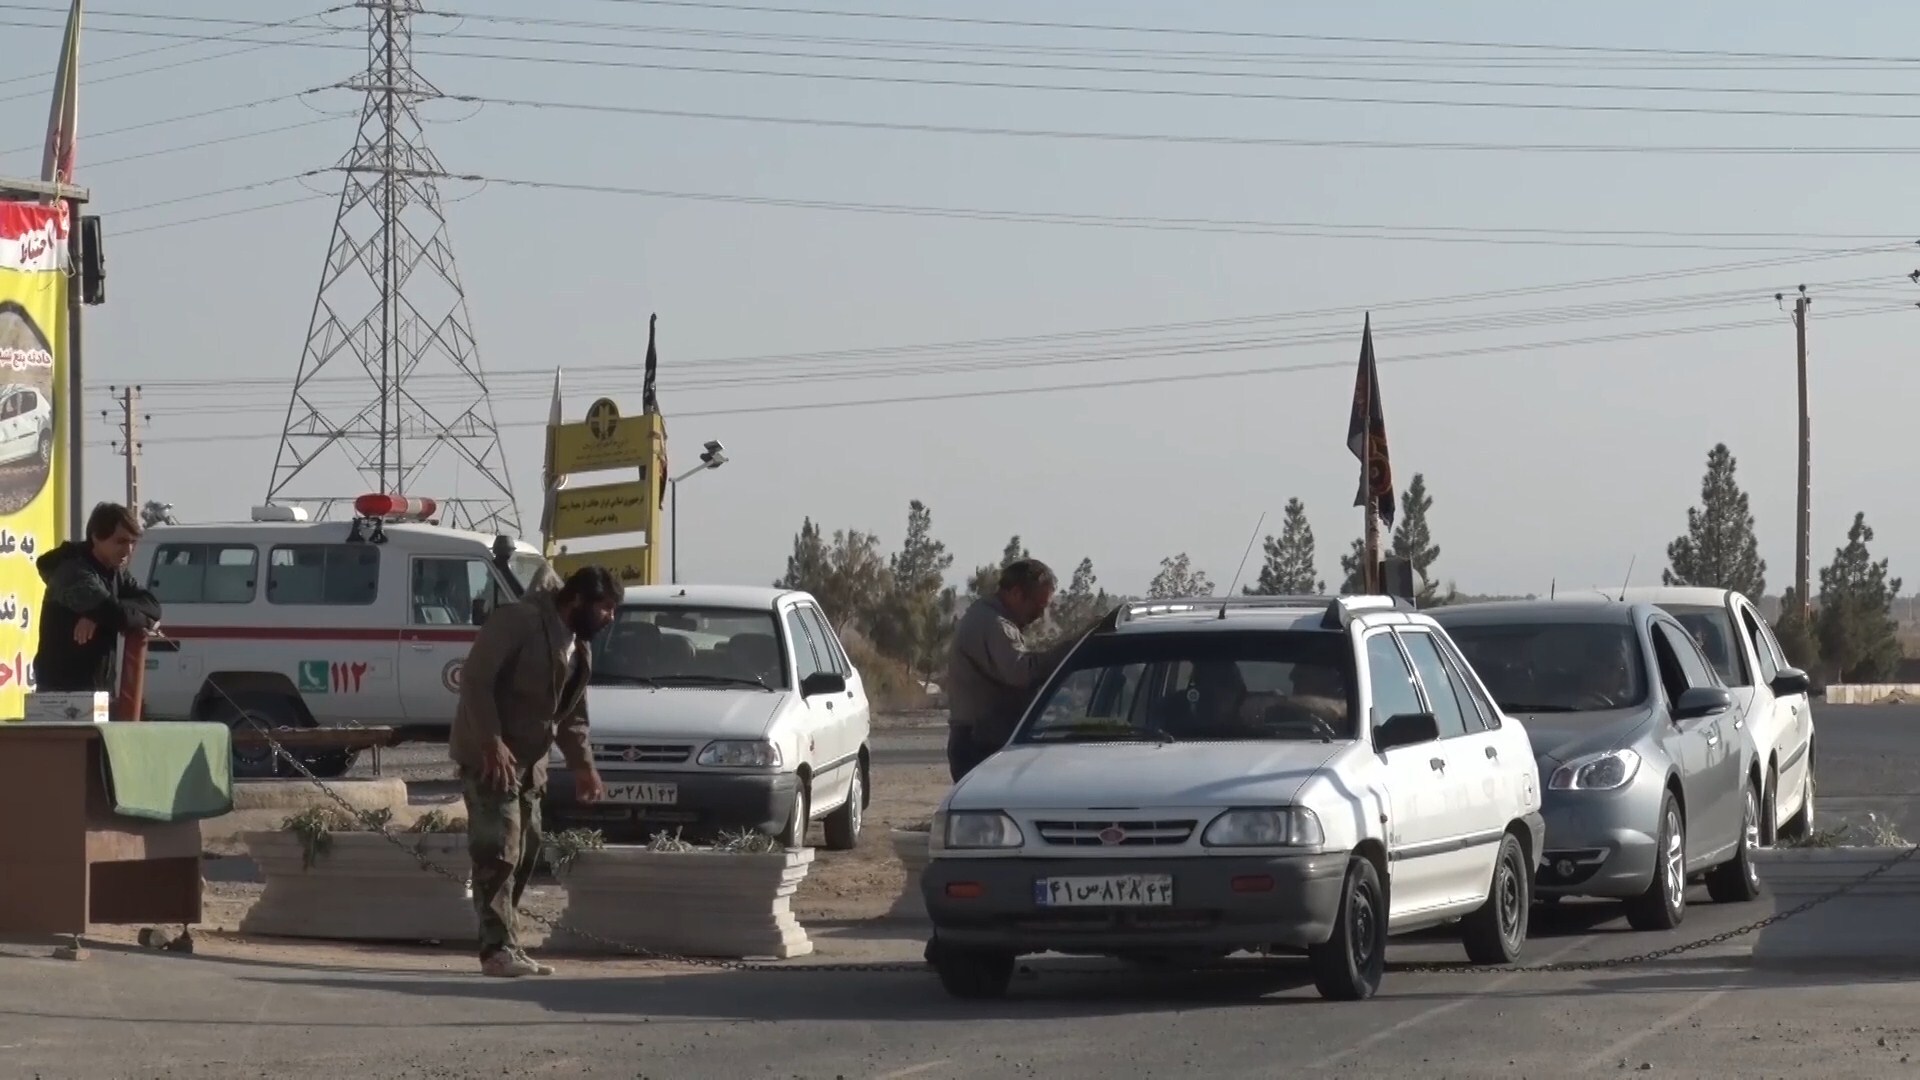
x=67 y=861
x=132 y=694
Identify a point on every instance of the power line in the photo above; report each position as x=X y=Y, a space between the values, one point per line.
x=251 y=47
x=224 y=215
x=1174 y=92
x=766 y=9
x=1155 y=379
x=1191 y=139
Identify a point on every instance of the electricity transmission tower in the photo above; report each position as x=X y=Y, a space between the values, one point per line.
x=390 y=397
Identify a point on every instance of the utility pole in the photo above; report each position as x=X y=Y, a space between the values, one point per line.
x=128 y=445
x=1803 y=540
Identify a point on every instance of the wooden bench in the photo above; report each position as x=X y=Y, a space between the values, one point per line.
x=375 y=739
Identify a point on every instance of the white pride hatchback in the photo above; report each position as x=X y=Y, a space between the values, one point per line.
x=716 y=708
x=1271 y=774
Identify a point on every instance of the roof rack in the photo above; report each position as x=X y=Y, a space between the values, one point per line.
x=1338 y=608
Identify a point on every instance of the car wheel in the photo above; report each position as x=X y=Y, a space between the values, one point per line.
x=843 y=825
x=798 y=819
x=1495 y=932
x=46 y=447
x=1738 y=879
x=973 y=974
x=1348 y=966
x=1664 y=905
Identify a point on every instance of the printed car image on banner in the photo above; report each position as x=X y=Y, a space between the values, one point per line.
x=33 y=481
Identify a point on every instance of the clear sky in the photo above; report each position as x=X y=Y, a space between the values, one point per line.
x=1549 y=454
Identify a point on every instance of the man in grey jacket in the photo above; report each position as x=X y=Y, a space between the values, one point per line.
x=993 y=674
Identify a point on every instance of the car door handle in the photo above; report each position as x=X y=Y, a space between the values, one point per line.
x=1493 y=752
x=1438 y=764
x=423 y=646
x=1713 y=738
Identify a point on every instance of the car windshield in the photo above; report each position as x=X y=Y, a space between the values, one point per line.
x=1199 y=687
x=1555 y=667
x=1712 y=628
x=689 y=646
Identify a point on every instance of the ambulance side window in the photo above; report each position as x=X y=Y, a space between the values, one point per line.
x=204 y=574
x=323 y=574
x=453 y=591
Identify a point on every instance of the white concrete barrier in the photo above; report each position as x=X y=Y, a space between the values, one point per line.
x=1873 y=694
x=683 y=903
x=911 y=848
x=361 y=889
x=1870 y=926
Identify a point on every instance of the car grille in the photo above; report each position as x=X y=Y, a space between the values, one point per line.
x=1130 y=833
x=641 y=753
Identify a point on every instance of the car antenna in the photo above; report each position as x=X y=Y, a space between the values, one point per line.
x=1553 y=587
x=1251 y=540
x=1624 y=584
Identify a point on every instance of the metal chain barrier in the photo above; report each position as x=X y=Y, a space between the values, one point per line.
x=637 y=952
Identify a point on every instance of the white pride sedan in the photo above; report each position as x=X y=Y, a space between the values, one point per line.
x=1274 y=774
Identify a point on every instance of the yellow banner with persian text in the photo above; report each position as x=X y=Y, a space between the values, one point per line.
x=33 y=444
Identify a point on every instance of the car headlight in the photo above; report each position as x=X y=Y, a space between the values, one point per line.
x=974 y=829
x=1596 y=772
x=1280 y=826
x=739 y=754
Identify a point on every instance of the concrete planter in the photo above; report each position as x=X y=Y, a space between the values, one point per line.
x=684 y=903
x=1872 y=925
x=911 y=848
x=362 y=888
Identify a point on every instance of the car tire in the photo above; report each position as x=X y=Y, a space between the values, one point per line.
x=843 y=825
x=46 y=447
x=799 y=819
x=1497 y=930
x=1348 y=966
x=973 y=974
x=1737 y=880
x=1664 y=905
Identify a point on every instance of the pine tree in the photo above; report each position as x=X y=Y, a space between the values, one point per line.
x=906 y=625
x=1855 y=624
x=1719 y=550
x=1350 y=580
x=1081 y=604
x=1177 y=578
x=986 y=579
x=1289 y=568
x=1796 y=633
x=1413 y=540
x=807 y=566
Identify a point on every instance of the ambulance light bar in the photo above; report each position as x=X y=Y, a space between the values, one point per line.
x=395 y=508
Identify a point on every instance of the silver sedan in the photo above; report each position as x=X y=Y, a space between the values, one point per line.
x=1649 y=779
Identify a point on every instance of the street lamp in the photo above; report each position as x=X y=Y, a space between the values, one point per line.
x=712 y=457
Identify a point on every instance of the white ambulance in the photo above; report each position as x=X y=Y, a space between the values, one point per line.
x=296 y=623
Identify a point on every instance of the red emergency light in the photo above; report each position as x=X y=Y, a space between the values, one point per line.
x=395 y=507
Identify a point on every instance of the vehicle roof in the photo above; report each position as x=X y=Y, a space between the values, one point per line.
x=1204 y=614
x=407 y=535
x=728 y=596
x=1678 y=594
x=1508 y=612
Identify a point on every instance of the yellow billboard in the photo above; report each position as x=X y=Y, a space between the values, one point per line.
x=601 y=441
x=601 y=510
x=627 y=564
x=33 y=435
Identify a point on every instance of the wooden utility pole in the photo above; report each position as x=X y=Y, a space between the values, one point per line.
x=129 y=442
x=1803 y=540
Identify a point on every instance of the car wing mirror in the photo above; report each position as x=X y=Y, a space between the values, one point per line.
x=1791 y=681
x=823 y=682
x=1406 y=729
x=1701 y=701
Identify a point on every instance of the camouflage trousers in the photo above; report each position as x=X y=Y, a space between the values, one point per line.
x=503 y=839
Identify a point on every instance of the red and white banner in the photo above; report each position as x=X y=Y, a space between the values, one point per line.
x=33 y=237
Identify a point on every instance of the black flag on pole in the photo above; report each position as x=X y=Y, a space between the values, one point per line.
x=1367 y=431
x=649 y=401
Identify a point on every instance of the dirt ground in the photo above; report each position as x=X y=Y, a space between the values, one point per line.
x=843 y=887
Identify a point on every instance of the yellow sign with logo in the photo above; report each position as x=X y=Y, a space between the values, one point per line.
x=601 y=441
x=626 y=564
x=601 y=510
x=33 y=458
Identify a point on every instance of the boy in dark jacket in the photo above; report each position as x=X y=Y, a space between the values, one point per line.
x=91 y=601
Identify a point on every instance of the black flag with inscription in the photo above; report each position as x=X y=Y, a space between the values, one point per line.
x=1367 y=431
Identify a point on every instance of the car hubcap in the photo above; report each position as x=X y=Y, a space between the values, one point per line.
x=1676 y=863
x=1510 y=901
x=853 y=804
x=1363 y=928
x=1753 y=835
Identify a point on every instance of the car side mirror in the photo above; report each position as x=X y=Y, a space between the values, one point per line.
x=1701 y=701
x=1407 y=729
x=823 y=682
x=1791 y=681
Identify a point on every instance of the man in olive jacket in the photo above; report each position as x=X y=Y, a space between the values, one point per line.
x=523 y=691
